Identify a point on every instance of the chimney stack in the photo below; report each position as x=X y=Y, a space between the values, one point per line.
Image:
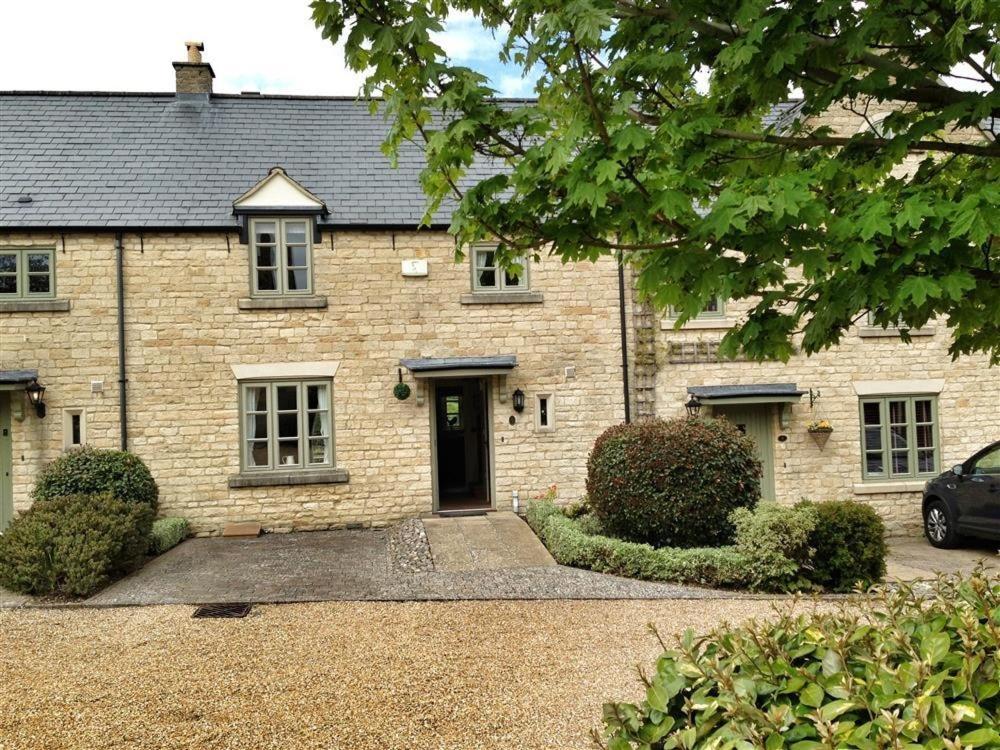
x=194 y=76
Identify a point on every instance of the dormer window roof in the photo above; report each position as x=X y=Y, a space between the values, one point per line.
x=278 y=193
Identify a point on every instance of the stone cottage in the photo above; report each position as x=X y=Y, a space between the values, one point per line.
x=235 y=288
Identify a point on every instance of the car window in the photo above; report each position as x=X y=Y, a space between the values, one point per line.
x=988 y=464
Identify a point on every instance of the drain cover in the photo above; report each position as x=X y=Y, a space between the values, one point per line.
x=231 y=609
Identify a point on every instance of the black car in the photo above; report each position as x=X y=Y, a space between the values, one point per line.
x=965 y=501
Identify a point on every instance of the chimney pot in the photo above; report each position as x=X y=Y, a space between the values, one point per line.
x=194 y=51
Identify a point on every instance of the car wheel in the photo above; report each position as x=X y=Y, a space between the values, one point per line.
x=939 y=526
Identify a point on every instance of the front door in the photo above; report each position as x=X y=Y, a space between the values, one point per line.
x=6 y=463
x=755 y=423
x=462 y=447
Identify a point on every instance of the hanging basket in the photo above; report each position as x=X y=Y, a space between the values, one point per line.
x=820 y=435
x=401 y=391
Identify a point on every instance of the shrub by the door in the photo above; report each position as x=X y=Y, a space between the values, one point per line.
x=672 y=483
x=74 y=545
x=87 y=471
x=849 y=544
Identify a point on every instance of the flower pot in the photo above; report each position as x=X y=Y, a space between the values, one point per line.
x=820 y=436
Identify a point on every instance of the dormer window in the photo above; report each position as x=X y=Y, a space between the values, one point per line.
x=281 y=255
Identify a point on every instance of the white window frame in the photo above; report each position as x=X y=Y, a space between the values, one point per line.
x=885 y=447
x=68 y=414
x=500 y=274
x=281 y=251
x=22 y=273
x=272 y=439
x=550 y=412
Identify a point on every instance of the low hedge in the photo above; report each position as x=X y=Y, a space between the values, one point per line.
x=722 y=567
x=74 y=545
x=901 y=669
x=167 y=533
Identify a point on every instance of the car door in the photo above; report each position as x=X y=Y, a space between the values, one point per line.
x=981 y=490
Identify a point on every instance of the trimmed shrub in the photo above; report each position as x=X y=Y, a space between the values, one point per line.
x=89 y=471
x=849 y=540
x=569 y=544
x=775 y=540
x=166 y=534
x=74 y=545
x=672 y=484
x=902 y=669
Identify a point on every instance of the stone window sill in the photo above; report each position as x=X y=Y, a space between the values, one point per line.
x=888 y=488
x=502 y=298
x=289 y=478
x=34 y=305
x=282 y=303
x=877 y=332
x=704 y=324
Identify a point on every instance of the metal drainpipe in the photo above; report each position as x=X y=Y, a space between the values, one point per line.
x=624 y=334
x=122 y=380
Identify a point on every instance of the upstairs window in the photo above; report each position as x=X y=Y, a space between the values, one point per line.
x=487 y=276
x=27 y=273
x=715 y=308
x=899 y=437
x=281 y=257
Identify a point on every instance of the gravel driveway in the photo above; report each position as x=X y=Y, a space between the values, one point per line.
x=350 y=675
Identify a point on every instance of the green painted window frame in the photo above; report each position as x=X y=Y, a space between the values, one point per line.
x=524 y=281
x=22 y=273
x=911 y=450
x=272 y=413
x=719 y=312
x=281 y=252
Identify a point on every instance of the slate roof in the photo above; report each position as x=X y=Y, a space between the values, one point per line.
x=499 y=362
x=709 y=392
x=121 y=160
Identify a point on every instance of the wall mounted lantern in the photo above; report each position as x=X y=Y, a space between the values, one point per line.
x=517 y=398
x=35 y=393
x=693 y=406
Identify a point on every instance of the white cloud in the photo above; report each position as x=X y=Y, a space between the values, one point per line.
x=124 y=45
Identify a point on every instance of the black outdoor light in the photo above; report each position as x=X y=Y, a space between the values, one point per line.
x=518 y=398
x=693 y=406
x=35 y=393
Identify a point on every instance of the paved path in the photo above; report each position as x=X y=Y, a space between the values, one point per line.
x=487 y=542
x=912 y=559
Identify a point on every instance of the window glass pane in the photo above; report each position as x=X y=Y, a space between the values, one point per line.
x=897 y=412
x=485 y=259
x=875 y=463
x=873 y=412
x=288 y=397
x=543 y=412
x=900 y=463
x=256 y=425
x=925 y=436
x=8 y=263
x=509 y=280
x=925 y=461
x=713 y=306
x=76 y=433
x=487 y=278
x=297 y=255
x=38 y=284
x=318 y=423
x=288 y=452
x=8 y=284
x=267 y=257
x=257 y=454
x=267 y=281
x=298 y=280
x=897 y=437
x=38 y=262
x=255 y=398
x=295 y=232
x=318 y=453
x=922 y=410
x=873 y=438
x=316 y=397
x=288 y=425
x=264 y=232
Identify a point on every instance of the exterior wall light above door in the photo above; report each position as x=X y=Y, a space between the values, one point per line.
x=35 y=393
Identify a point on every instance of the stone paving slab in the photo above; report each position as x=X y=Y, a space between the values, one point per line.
x=912 y=559
x=487 y=542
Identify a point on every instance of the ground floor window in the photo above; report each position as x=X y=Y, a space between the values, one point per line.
x=287 y=425
x=74 y=428
x=899 y=437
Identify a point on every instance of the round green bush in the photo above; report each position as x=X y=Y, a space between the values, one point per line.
x=89 y=471
x=849 y=544
x=672 y=483
x=74 y=545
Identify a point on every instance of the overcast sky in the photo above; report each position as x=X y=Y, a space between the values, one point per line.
x=269 y=46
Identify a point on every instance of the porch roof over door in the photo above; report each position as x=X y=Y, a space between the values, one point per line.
x=766 y=393
x=450 y=367
x=17 y=377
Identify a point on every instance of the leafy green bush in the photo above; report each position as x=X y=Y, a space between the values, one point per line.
x=74 y=544
x=849 y=540
x=903 y=669
x=89 y=471
x=167 y=533
x=672 y=484
x=775 y=540
x=569 y=544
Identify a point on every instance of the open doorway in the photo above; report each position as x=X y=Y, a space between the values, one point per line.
x=462 y=444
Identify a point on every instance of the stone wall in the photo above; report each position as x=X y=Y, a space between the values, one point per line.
x=184 y=331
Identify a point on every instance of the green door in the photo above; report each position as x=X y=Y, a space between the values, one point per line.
x=755 y=423
x=6 y=464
